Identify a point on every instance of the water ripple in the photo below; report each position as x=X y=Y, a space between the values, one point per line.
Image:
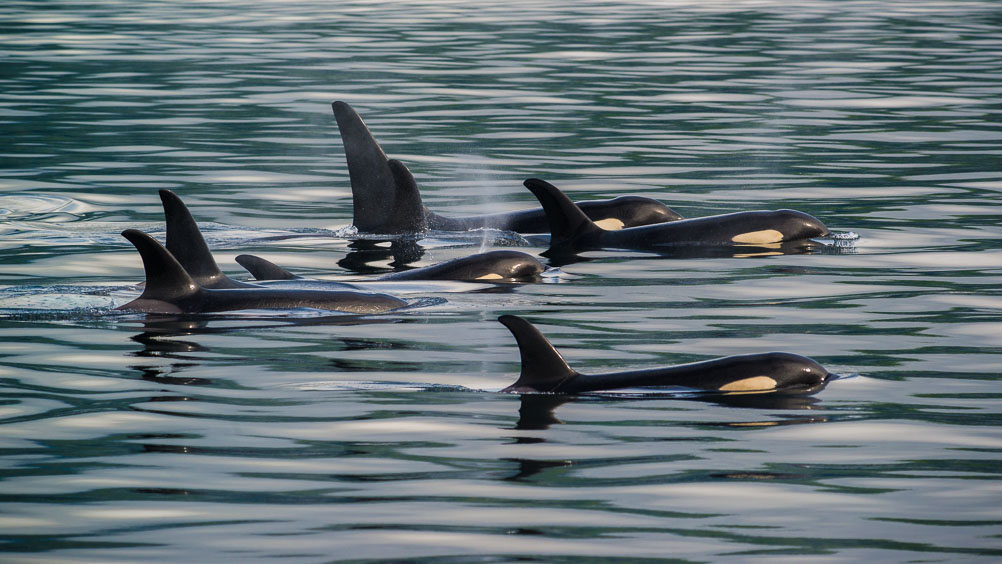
x=307 y=437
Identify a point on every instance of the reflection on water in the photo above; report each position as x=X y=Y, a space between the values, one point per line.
x=363 y=252
x=308 y=437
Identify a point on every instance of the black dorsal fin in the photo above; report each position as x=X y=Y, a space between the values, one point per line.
x=408 y=211
x=543 y=369
x=185 y=242
x=166 y=279
x=262 y=269
x=567 y=221
x=372 y=185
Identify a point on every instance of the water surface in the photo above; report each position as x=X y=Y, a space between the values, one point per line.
x=310 y=437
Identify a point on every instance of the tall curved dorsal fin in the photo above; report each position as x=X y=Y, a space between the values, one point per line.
x=543 y=369
x=567 y=221
x=408 y=215
x=166 y=279
x=185 y=242
x=373 y=190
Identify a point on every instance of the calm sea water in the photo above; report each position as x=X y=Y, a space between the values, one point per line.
x=306 y=437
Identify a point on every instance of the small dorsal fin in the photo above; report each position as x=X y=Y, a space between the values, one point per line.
x=166 y=279
x=408 y=211
x=373 y=189
x=543 y=369
x=262 y=269
x=567 y=221
x=185 y=242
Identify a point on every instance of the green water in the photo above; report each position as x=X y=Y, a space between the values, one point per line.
x=311 y=438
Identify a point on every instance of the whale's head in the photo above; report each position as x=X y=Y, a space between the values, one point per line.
x=775 y=372
x=798 y=225
x=634 y=211
x=503 y=266
x=795 y=374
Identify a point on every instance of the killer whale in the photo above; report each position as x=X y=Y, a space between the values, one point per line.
x=490 y=266
x=571 y=229
x=170 y=289
x=186 y=243
x=545 y=371
x=383 y=203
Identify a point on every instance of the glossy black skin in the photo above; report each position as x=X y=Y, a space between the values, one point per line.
x=262 y=269
x=491 y=266
x=372 y=184
x=572 y=229
x=545 y=371
x=630 y=210
x=387 y=201
x=191 y=250
x=186 y=244
x=169 y=289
